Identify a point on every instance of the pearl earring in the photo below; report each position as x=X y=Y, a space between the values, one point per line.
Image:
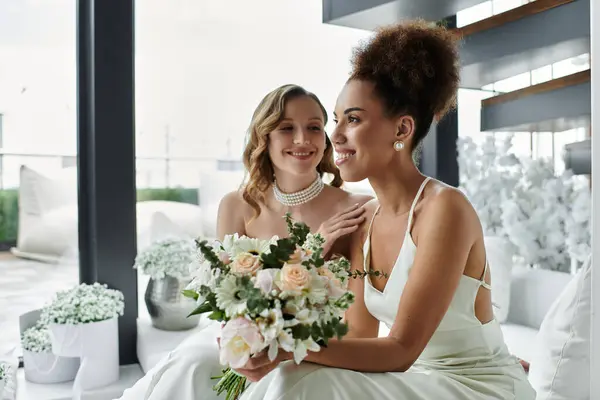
x=398 y=145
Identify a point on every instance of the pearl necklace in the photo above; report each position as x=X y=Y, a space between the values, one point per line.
x=301 y=197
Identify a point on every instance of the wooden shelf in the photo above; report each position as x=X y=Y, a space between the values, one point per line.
x=515 y=14
x=565 y=81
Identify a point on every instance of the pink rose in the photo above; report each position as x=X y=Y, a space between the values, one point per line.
x=224 y=257
x=245 y=264
x=324 y=271
x=294 y=278
x=265 y=278
x=299 y=255
x=240 y=339
x=333 y=283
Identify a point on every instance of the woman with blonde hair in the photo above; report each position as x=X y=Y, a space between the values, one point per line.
x=286 y=157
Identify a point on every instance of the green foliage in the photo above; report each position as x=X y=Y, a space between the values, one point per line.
x=355 y=273
x=181 y=195
x=280 y=253
x=201 y=309
x=316 y=260
x=321 y=332
x=255 y=301
x=190 y=294
x=284 y=248
x=298 y=231
x=209 y=255
x=9 y=215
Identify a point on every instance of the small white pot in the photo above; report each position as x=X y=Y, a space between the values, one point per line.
x=96 y=344
x=2 y=384
x=66 y=339
x=49 y=368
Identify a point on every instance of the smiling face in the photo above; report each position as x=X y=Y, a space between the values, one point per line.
x=297 y=143
x=364 y=136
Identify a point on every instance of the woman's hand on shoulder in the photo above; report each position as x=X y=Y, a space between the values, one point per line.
x=230 y=217
x=343 y=223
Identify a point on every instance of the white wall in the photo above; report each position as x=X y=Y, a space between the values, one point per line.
x=595 y=350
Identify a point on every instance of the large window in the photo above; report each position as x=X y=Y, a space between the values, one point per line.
x=485 y=10
x=38 y=198
x=202 y=68
x=201 y=75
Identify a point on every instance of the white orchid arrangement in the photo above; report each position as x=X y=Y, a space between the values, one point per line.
x=84 y=304
x=488 y=175
x=270 y=295
x=7 y=378
x=167 y=257
x=37 y=339
x=5 y=369
x=545 y=217
x=578 y=224
x=534 y=216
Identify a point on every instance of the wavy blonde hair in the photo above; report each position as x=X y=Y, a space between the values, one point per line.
x=269 y=113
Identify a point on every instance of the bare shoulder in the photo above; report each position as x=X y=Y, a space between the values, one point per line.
x=446 y=197
x=348 y=198
x=232 y=214
x=360 y=199
x=233 y=202
x=446 y=204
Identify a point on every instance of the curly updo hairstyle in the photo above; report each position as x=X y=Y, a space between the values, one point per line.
x=415 y=69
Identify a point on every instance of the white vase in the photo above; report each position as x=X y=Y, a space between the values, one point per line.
x=96 y=344
x=48 y=367
x=2 y=385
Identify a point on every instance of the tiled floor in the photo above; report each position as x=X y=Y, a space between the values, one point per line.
x=24 y=286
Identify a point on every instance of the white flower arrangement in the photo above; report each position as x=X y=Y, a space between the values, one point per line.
x=5 y=370
x=488 y=175
x=84 y=304
x=578 y=223
x=37 y=339
x=545 y=217
x=167 y=257
x=534 y=216
x=270 y=295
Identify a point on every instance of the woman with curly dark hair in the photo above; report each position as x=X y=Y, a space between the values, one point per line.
x=444 y=342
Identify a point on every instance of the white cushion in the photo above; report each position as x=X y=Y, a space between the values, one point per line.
x=560 y=366
x=53 y=236
x=159 y=219
x=532 y=293
x=48 y=215
x=500 y=261
x=213 y=187
x=40 y=193
x=520 y=340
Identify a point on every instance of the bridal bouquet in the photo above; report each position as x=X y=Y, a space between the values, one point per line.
x=269 y=295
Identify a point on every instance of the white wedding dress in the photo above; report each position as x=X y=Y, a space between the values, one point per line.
x=464 y=360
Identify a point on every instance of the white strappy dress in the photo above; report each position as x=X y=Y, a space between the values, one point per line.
x=464 y=360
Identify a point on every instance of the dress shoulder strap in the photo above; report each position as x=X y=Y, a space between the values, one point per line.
x=367 y=243
x=414 y=205
x=482 y=281
x=371 y=223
